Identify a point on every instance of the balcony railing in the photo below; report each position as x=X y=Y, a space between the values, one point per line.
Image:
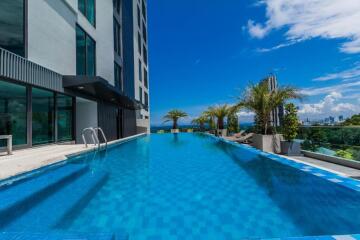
x=15 y=67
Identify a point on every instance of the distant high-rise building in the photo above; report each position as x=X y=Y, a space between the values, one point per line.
x=277 y=114
x=341 y=118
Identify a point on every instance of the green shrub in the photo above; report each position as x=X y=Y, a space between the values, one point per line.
x=290 y=122
x=344 y=154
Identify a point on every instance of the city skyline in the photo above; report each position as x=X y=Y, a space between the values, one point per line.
x=213 y=59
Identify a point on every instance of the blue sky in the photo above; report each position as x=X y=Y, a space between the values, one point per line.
x=205 y=52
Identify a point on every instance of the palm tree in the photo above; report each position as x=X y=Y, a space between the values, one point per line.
x=220 y=112
x=259 y=99
x=201 y=121
x=209 y=114
x=174 y=116
x=233 y=120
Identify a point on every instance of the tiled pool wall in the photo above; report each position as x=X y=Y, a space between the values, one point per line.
x=321 y=173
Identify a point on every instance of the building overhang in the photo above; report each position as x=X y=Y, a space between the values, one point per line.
x=99 y=88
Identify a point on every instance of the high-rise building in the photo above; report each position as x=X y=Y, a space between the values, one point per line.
x=66 y=65
x=277 y=114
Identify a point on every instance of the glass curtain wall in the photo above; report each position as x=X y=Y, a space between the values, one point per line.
x=13 y=112
x=43 y=116
x=87 y=8
x=64 y=117
x=85 y=53
x=12 y=26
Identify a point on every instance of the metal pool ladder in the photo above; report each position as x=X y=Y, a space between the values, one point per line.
x=94 y=136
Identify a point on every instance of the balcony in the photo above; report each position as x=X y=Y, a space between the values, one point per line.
x=14 y=67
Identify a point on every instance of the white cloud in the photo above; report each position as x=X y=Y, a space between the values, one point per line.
x=340 y=88
x=343 y=75
x=282 y=45
x=257 y=30
x=306 y=19
x=331 y=104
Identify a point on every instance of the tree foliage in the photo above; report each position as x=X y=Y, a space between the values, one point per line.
x=219 y=112
x=174 y=116
x=201 y=121
x=353 y=121
x=290 y=122
x=259 y=99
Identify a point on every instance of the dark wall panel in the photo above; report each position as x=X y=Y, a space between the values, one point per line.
x=129 y=126
x=108 y=121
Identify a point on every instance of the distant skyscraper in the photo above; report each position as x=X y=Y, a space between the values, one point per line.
x=277 y=115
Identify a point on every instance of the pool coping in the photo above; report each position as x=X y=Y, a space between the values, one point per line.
x=64 y=160
x=336 y=178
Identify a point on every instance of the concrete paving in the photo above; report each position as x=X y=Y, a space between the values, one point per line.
x=332 y=167
x=25 y=160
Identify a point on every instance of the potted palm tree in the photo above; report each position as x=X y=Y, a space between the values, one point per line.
x=173 y=116
x=259 y=99
x=220 y=113
x=200 y=121
x=290 y=131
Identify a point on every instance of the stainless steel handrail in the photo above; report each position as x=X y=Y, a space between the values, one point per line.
x=93 y=136
x=103 y=135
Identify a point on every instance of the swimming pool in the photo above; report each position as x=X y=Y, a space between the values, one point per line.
x=182 y=186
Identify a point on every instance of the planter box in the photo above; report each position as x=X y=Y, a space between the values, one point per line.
x=221 y=132
x=175 y=130
x=333 y=159
x=267 y=143
x=290 y=148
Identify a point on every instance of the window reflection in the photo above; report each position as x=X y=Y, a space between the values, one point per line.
x=43 y=113
x=13 y=112
x=65 y=117
x=12 y=26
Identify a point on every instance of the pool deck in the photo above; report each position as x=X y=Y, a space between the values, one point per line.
x=25 y=160
x=331 y=167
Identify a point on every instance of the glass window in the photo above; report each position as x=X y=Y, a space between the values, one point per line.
x=13 y=112
x=146 y=99
x=139 y=43
x=42 y=116
x=65 y=117
x=138 y=17
x=117 y=5
x=140 y=73
x=80 y=52
x=118 y=79
x=87 y=8
x=144 y=54
x=144 y=32
x=85 y=53
x=145 y=78
x=12 y=26
x=117 y=37
x=143 y=9
x=140 y=95
x=90 y=56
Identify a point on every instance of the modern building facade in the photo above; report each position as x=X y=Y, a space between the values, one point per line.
x=277 y=115
x=65 y=66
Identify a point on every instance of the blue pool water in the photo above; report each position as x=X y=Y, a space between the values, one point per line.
x=184 y=186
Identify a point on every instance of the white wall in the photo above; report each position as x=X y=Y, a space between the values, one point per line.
x=51 y=35
x=105 y=40
x=86 y=116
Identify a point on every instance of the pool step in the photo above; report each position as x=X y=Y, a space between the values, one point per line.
x=21 y=196
x=60 y=207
